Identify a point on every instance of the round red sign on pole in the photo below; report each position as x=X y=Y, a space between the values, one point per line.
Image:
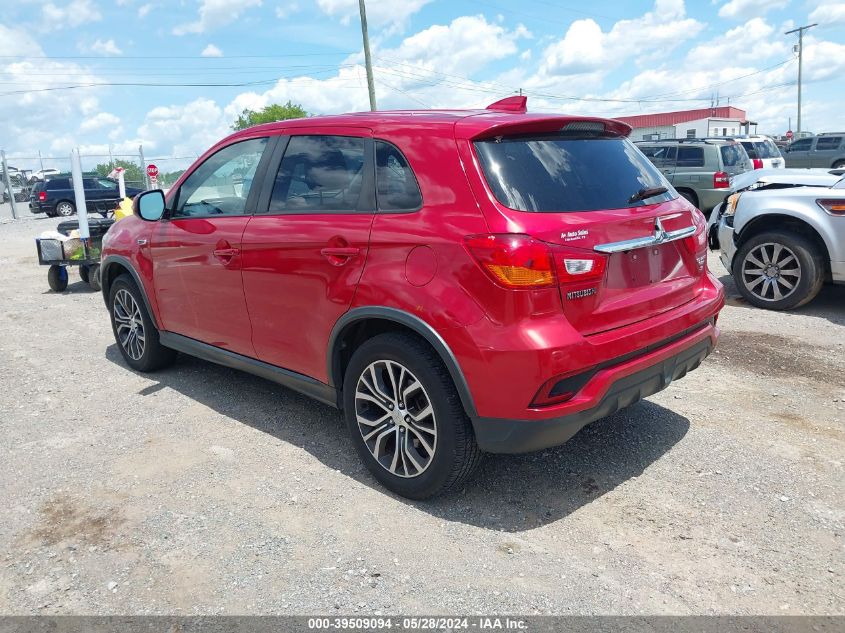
x=789 y=134
x=152 y=171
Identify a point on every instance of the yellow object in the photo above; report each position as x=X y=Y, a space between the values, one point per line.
x=123 y=210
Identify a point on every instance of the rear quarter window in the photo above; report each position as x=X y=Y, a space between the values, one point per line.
x=732 y=155
x=560 y=173
x=58 y=183
x=828 y=142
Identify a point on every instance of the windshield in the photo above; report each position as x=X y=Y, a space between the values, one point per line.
x=559 y=173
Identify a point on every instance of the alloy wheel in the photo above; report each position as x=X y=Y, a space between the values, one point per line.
x=65 y=209
x=129 y=324
x=395 y=418
x=771 y=271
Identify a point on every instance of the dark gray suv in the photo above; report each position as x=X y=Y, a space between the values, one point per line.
x=825 y=150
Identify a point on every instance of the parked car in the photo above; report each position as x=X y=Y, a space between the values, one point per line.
x=55 y=195
x=825 y=151
x=699 y=169
x=456 y=282
x=782 y=235
x=762 y=151
x=43 y=174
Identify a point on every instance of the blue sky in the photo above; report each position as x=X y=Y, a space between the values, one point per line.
x=607 y=58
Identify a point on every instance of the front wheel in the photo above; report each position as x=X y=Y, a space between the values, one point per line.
x=778 y=270
x=57 y=278
x=136 y=336
x=406 y=419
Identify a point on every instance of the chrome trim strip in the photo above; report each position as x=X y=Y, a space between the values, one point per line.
x=660 y=237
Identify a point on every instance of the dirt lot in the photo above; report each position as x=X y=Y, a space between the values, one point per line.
x=203 y=490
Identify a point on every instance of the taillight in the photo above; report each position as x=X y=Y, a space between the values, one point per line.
x=757 y=162
x=833 y=207
x=721 y=180
x=42 y=196
x=513 y=260
x=579 y=267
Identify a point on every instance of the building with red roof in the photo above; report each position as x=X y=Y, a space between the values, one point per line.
x=716 y=121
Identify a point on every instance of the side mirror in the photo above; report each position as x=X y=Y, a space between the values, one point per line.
x=149 y=205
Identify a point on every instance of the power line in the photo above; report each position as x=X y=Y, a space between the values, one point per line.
x=123 y=57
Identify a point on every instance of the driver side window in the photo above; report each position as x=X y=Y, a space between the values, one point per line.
x=221 y=185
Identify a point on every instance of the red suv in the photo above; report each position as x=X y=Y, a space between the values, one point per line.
x=457 y=282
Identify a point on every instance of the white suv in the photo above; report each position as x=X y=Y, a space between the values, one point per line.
x=762 y=151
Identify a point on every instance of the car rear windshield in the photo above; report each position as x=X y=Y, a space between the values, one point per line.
x=732 y=154
x=559 y=173
x=761 y=149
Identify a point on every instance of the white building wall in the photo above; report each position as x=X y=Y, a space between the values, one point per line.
x=645 y=133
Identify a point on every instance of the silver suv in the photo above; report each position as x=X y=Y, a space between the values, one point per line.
x=699 y=169
x=782 y=235
x=825 y=150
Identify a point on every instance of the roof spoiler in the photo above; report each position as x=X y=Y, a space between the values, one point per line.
x=510 y=104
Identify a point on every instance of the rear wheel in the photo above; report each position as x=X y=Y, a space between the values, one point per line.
x=136 y=336
x=65 y=208
x=83 y=273
x=406 y=419
x=778 y=270
x=840 y=164
x=689 y=196
x=57 y=278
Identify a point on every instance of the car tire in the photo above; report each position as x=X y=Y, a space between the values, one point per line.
x=689 y=196
x=840 y=164
x=57 y=278
x=65 y=208
x=766 y=265
x=136 y=336
x=83 y=273
x=94 y=277
x=424 y=444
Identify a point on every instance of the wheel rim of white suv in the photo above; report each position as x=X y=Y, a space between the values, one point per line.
x=129 y=324
x=395 y=418
x=771 y=271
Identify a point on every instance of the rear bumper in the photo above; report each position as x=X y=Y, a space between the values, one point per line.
x=627 y=383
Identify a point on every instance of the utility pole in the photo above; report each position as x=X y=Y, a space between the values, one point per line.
x=368 y=62
x=41 y=160
x=143 y=167
x=800 y=30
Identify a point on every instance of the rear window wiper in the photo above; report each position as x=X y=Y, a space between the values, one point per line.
x=648 y=192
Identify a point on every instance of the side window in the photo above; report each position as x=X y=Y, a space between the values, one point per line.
x=828 y=142
x=319 y=174
x=221 y=185
x=89 y=183
x=690 y=156
x=396 y=185
x=105 y=183
x=801 y=145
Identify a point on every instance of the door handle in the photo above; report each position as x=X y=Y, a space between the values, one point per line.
x=339 y=255
x=225 y=255
x=340 y=251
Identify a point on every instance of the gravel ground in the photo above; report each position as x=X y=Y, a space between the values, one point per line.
x=201 y=490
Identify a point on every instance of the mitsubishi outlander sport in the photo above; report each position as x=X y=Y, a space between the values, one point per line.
x=457 y=282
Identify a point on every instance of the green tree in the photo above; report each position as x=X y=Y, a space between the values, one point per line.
x=132 y=174
x=269 y=114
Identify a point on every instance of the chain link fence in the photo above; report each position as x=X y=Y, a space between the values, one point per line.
x=25 y=170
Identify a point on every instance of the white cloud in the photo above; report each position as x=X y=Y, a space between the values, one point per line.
x=286 y=10
x=211 y=51
x=744 y=9
x=99 y=121
x=587 y=49
x=144 y=9
x=216 y=13
x=380 y=13
x=829 y=13
x=751 y=42
x=71 y=14
x=183 y=129
x=105 y=47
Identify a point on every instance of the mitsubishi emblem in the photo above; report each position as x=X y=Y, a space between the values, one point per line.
x=659 y=231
